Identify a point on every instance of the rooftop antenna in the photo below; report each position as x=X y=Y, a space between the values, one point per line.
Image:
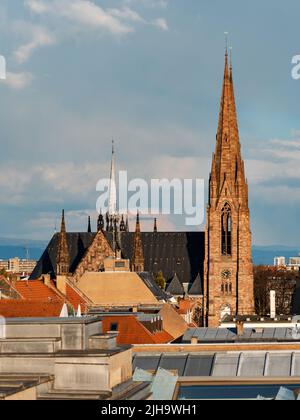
x=26 y=252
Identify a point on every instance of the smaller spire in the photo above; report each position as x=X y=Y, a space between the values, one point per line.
x=138 y=224
x=122 y=224
x=155 y=226
x=63 y=223
x=100 y=224
x=127 y=223
x=63 y=256
x=138 y=261
x=89 y=225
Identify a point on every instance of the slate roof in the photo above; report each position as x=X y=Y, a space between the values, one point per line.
x=169 y=252
x=175 y=287
x=150 y=282
x=196 y=288
x=239 y=364
x=251 y=335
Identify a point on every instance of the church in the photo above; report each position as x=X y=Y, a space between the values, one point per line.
x=213 y=267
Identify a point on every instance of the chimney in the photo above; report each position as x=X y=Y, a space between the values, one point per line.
x=240 y=328
x=273 y=304
x=194 y=340
x=47 y=280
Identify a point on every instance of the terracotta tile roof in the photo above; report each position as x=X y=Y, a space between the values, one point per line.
x=36 y=290
x=132 y=331
x=29 y=309
x=163 y=337
x=185 y=306
x=75 y=299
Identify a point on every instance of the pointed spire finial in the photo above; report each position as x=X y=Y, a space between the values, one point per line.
x=113 y=145
x=226 y=42
x=89 y=225
x=63 y=223
x=112 y=204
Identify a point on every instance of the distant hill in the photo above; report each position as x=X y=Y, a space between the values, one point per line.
x=10 y=248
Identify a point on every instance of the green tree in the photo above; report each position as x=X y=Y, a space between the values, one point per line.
x=160 y=280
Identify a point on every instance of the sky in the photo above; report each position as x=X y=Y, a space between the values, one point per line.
x=149 y=74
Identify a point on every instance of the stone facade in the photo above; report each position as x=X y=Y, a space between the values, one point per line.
x=228 y=277
x=95 y=256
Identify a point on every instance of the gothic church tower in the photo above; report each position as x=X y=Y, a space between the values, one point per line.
x=228 y=281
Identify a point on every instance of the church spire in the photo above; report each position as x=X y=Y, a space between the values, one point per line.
x=112 y=204
x=228 y=272
x=138 y=261
x=227 y=162
x=63 y=257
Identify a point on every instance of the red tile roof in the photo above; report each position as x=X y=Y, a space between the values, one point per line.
x=36 y=290
x=163 y=337
x=185 y=306
x=29 y=309
x=131 y=331
x=75 y=299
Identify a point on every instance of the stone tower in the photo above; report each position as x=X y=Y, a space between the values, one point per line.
x=63 y=256
x=138 y=261
x=228 y=279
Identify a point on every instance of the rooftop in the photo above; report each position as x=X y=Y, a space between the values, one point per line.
x=226 y=335
x=223 y=365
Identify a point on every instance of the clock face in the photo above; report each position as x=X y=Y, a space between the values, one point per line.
x=226 y=274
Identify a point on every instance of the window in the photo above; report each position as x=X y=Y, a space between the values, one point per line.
x=226 y=230
x=114 y=326
x=120 y=264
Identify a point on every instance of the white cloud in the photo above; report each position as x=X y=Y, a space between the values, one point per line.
x=161 y=24
x=82 y=12
x=18 y=80
x=127 y=14
x=163 y=4
x=36 y=36
x=117 y=21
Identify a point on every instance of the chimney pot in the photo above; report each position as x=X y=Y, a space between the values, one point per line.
x=240 y=328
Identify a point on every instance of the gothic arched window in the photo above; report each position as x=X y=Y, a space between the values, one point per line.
x=226 y=229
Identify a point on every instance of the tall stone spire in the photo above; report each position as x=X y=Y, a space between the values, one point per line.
x=63 y=256
x=112 y=204
x=138 y=261
x=228 y=262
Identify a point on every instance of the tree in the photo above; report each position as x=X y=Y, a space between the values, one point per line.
x=279 y=279
x=3 y=273
x=160 y=280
